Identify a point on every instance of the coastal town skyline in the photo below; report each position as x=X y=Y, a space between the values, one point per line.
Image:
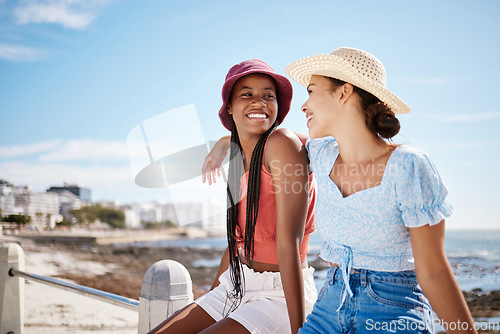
x=76 y=78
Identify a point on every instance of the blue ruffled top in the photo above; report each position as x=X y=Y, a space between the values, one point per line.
x=370 y=228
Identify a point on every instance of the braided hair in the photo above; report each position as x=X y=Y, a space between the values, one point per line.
x=233 y=196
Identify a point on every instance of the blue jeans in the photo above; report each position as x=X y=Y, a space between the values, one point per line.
x=382 y=302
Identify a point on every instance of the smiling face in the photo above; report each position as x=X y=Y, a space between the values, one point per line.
x=253 y=104
x=321 y=107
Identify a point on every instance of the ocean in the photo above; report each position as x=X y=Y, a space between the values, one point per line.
x=474 y=256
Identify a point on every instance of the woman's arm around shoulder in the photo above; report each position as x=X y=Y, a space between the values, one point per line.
x=286 y=159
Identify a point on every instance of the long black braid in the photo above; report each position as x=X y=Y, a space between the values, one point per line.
x=233 y=196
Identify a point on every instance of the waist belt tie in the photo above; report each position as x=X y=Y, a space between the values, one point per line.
x=345 y=267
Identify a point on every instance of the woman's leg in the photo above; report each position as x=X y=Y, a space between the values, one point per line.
x=193 y=319
x=190 y=319
x=226 y=325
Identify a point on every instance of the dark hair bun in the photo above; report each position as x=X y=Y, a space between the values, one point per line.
x=381 y=120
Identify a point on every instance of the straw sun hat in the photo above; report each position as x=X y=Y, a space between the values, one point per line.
x=354 y=66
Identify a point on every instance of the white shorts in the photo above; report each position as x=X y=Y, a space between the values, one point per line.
x=263 y=306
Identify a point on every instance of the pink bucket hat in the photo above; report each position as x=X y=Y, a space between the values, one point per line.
x=284 y=88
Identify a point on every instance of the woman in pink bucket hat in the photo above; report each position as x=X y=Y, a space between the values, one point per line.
x=263 y=284
x=381 y=207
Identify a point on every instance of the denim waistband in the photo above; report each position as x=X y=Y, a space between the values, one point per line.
x=365 y=275
x=407 y=276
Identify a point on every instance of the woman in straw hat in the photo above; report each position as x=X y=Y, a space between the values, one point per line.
x=264 y=284
x=381 y=207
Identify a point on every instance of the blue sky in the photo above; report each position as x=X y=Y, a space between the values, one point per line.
x=76 y=77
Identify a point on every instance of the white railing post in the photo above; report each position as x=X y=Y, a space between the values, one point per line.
x=11 y=290
x=166 y=288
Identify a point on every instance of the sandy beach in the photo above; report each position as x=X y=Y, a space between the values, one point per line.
x=120 y=270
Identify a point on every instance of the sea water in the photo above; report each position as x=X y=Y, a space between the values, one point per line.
x=474 y=256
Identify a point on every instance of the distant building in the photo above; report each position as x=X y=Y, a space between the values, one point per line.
x=82 y=193
x=210 y=215
x=43 y=208
x=132 y=219
x=148 y=212
x=189 y=214
x=214 y=216
x=7 y=199
x=68 y=201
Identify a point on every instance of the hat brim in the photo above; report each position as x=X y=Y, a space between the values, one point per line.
x=284 y=95
x=335 y=67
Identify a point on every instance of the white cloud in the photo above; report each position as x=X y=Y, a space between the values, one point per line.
x=71 y=150
x=42 y=176
x=73 y=14
x=469 y=117
x=7 y=152
x=87 y=149
x=20 y=53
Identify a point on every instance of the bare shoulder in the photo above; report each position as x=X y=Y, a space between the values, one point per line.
x=281 y=138
x=284 y=145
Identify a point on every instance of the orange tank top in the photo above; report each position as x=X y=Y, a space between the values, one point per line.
x=265 y=227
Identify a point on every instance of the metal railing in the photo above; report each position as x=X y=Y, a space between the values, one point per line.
x=83 y=290
x=166 y=288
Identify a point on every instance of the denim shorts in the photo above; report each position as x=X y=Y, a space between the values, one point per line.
x=382 y=302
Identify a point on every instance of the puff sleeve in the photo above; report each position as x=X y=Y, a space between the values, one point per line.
x=421 y=194
x=320 y=152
